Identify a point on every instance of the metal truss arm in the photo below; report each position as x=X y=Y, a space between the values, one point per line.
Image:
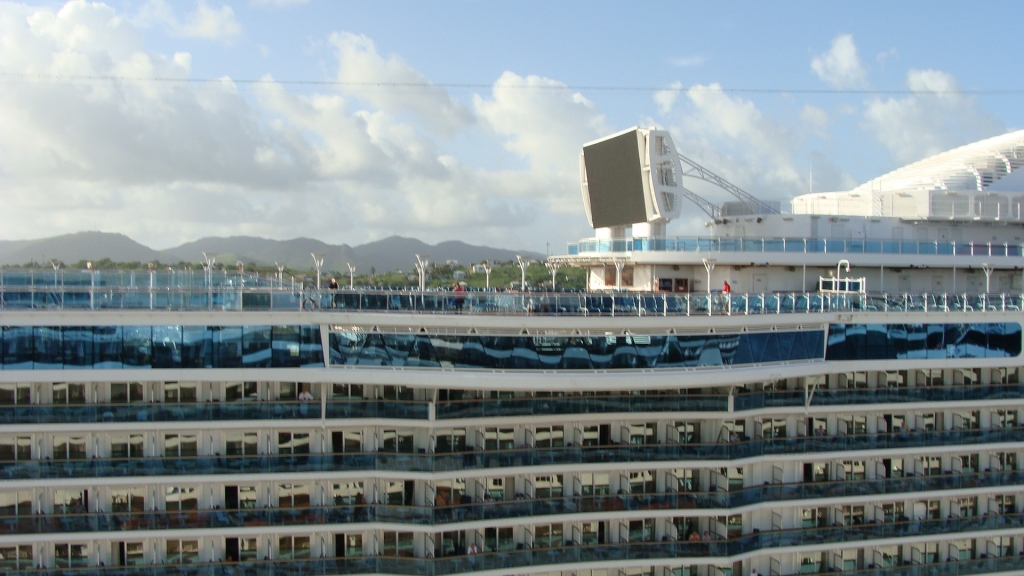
x=710 y=209
x=694 y=170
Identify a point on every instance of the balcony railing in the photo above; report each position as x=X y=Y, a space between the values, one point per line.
x=494 y=407
x=497 y=509
x=636 y=403
x=210 y=411
x=593 y=553
x=49 y=297
x=490 y=459
x=794 y=245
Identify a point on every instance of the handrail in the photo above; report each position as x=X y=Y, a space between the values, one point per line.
x=502 y=458
x=360 y=511
x=393 y=563
x=493 y=303
x=794 y=245
x=451 y=410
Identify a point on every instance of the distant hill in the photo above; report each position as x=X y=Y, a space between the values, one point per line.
x=75 y=247
x=399 y=253
x=393 y=253
x=293 y=253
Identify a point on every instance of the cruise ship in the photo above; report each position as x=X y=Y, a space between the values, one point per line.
x=829 y=388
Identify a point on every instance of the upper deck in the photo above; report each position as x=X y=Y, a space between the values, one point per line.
x=155 y=299
x=835 y=246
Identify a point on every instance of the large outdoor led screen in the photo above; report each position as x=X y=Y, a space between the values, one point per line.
x=615 y=181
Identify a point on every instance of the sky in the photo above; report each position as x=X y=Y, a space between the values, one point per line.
x=463 y=120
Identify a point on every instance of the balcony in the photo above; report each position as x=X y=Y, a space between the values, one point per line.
x=670 y=551
x=339 y=515
x=510 y=458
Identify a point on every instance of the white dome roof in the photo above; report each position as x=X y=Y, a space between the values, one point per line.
x=976 y=166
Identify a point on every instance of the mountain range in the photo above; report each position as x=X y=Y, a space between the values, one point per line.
x=393 y=253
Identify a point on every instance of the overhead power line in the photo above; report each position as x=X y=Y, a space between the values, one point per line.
x=10 y=77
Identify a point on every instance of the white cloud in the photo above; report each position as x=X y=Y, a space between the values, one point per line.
x=405 y=89
x=211 y=23
x=167 y=162
x=840 y=67
x=738 y=125
x=815 y=119
x=891 y=53
x=546 y=125
x=205 y=22
x=935 y=118
x=665 y=99
x=734 y=138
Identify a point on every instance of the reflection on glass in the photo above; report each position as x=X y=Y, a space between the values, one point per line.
x=565 y=352
x=80 y=347
x=908 y=341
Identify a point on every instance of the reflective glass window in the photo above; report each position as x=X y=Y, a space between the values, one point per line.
x=18 y=346
x=13 y=558
x=78 y=346
x=107 y=346
x=167 y=347
x=286 y=346
x=256 y=351
x=227 y=347
x=196 y=347
x=48 y=348
x=137 y=346
x=15 y=394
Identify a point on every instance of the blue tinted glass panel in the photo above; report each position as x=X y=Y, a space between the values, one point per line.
x=48 y=348
x=137 y=351
x=78 y=348
x=311 y=352
x=227 y=347
x=107 y=345
x=196 y=347
x=285 y=347
x=940 y=341
x=256 y=346
x=18 y=347
x=167 y=346
x=156 y=347
x=572 y=353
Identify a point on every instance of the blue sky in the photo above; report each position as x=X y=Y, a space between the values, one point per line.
x=495 y=163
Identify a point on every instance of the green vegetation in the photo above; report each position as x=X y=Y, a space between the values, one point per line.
x=503 y=274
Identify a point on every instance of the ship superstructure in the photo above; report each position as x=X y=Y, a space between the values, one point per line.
x=851 y=402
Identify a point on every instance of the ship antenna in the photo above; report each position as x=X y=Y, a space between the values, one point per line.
x=810 y=177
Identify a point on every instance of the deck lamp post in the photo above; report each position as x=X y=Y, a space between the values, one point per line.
x=421 y=268
x=523 y=264
x=92 y=286
x=208 y=262
x=351 y=275
x=280 y=274
x=487 y=273
x=987 y=268
x=151 y=273
x=709 y=265
x=553 y=267
x=318 y=262
x=56 y=268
